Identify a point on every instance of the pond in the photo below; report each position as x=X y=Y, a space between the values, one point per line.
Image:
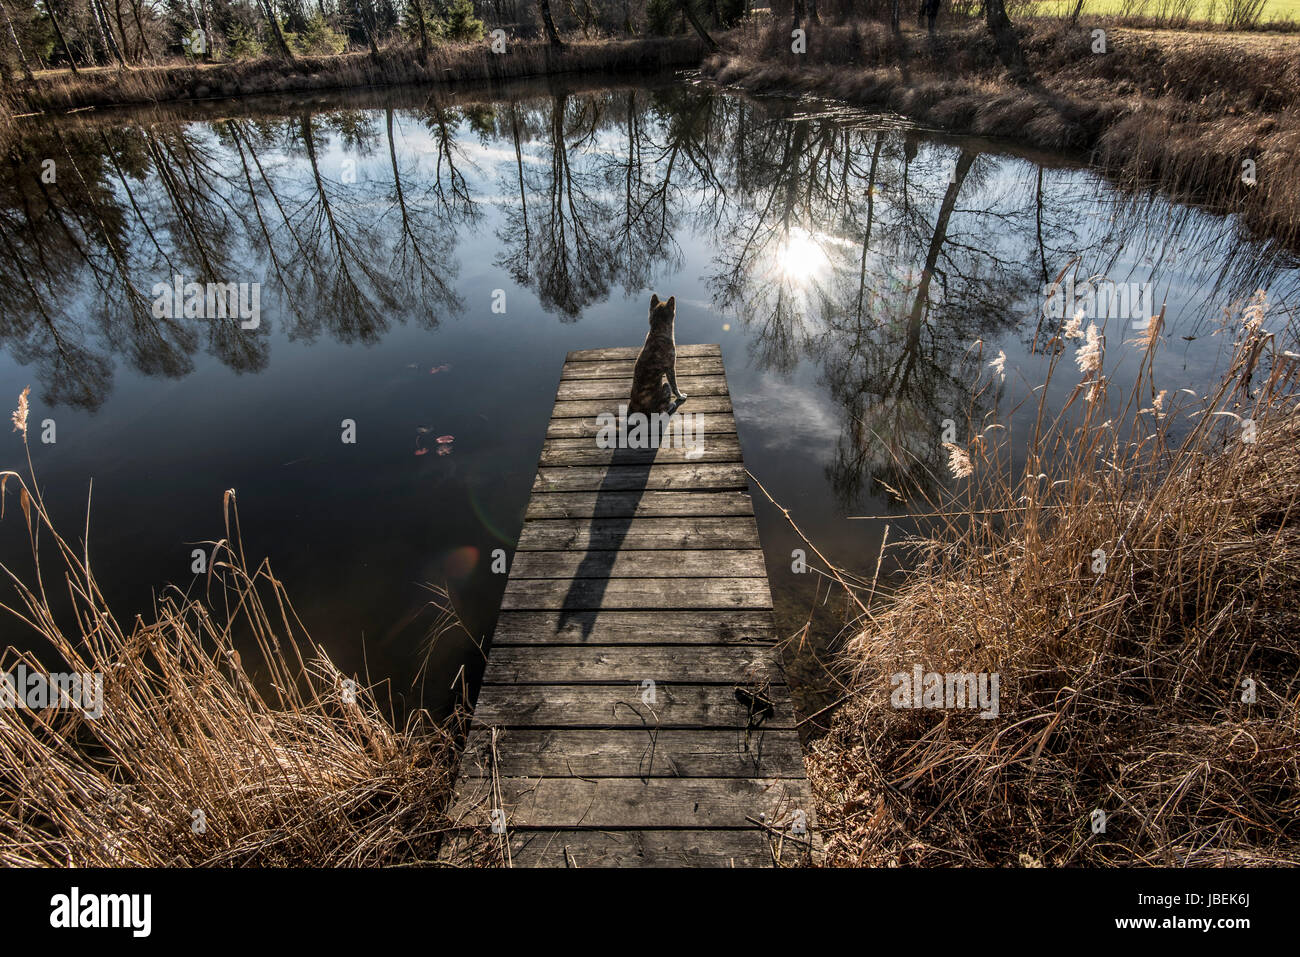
x=413 y=266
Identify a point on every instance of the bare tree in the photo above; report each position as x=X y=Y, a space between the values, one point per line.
x=689 y=12
x=1004 y=35
x=552 y=34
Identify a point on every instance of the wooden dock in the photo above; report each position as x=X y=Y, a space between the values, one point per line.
x=633 y=710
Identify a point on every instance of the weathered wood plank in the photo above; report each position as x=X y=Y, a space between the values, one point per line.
x=620 y=706
x=638 y=504
x=578 y=849
x=678 y=430
x=690 y=532
x=523 y=752
x=688 y=476
x=621 y=388
x=690 y=350
x=634 y=627
x=633 y=803
x=590 y=408
x=583 y=452
x=624 y=368
x=574 y=664
x=651 y=563
x=540 y=594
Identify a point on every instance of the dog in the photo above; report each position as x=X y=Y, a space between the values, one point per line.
x=657 y=362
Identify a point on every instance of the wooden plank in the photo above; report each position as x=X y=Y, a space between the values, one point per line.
x=539 y=594
x=687 y=476
x=680 y=430
x=705 y=531
x=522 y=752
x=557 y=453
x=574 y=664
x=634 y=627
x=578 y=849
x=637 y=504
x=590 y=408
x=634 y=803
x=620 y=706
x=631 y=352
x=651 y=563
x=624 y=368
x=621 y=388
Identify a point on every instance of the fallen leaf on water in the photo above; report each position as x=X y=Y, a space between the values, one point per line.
x=421 y=429
x=442 y=368
x=421 y=451
x=445 y=439
x=444 y=450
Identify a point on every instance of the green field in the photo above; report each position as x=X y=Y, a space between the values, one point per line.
x=1213 y=10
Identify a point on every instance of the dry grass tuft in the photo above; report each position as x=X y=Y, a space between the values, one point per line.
x=1121 y=690
x=200 y=758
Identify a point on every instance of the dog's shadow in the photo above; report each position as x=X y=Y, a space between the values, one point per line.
x=615 y=508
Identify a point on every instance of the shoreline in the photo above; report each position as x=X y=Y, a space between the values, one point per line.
x=1150 y=114
x=61 y=92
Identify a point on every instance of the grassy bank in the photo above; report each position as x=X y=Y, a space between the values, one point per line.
x=1181 y=112
x=199 y=757
x=60 y=91
x=1259 y=14
x=1135 y=585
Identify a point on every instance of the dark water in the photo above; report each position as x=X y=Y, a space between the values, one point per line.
x=846 y=262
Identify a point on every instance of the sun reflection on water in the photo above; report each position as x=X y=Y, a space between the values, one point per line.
x=801 y=258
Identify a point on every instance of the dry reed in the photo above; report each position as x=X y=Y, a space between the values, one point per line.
x=200 y=758
x=1134 y=580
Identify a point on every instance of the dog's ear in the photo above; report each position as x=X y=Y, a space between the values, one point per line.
x=654 y=300
x=672 y=303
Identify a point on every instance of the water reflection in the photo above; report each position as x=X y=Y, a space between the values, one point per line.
x=854 y=259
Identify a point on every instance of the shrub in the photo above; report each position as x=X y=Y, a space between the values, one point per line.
x=459 y=22
x=316 y=37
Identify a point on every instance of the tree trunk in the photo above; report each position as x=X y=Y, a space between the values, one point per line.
x=368 y=25
x=552 y=35
x=22 y=57
x=121 y=29
x=894 y=24
x=424 y=33
x=689 y=13
x=135 y=13
x=58 y=32
x=280 y=41
x=1004 y=35
x=100 y=16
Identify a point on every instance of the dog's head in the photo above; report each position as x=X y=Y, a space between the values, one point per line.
x=662 y=314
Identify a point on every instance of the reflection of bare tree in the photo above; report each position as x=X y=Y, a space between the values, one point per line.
x=843 y=255
x=874 y=253
x=564 y=254
x=359 y=296
x=427 y=238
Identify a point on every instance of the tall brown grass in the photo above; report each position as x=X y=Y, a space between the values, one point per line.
x=1126 y=683
x=201 y=758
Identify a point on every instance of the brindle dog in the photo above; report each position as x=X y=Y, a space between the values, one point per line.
x=657 y=362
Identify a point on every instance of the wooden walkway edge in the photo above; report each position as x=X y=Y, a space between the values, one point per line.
x=633 y=711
